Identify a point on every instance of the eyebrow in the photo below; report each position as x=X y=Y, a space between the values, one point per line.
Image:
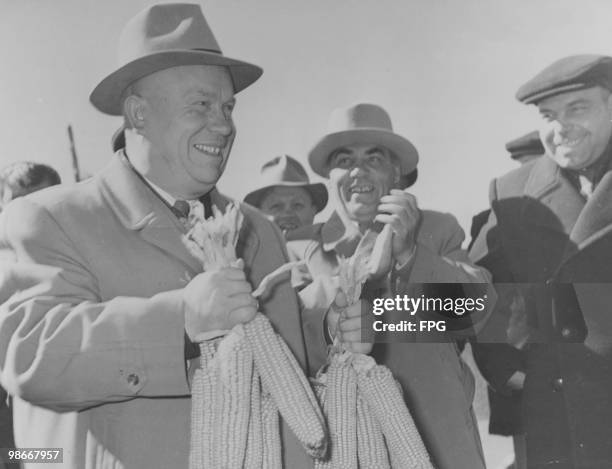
x=343 y=150
x=206 y=94
x=376 y=149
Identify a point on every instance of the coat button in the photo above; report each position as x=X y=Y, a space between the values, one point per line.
x=133 y=379
x=567 y=333
x=557 y=384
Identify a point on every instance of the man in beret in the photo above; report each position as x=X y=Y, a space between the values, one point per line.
x=367 y=165
x=286 y=195
x=549 y=237
x=95 y=356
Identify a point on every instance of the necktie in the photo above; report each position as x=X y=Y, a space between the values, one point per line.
x=181 y=209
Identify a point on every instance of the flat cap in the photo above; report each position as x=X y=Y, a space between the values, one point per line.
x=527 y=145
x=572 y=73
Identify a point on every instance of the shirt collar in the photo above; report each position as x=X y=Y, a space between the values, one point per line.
x=164 y=195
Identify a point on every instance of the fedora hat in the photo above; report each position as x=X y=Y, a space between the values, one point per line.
x=160 y=37
x=361 y=124
x=287 y=171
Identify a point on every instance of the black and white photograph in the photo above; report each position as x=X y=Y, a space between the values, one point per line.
x=329 y=234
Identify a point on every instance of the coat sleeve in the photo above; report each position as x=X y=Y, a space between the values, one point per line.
x=497 y=360
x=439 y=258
x=63 y=348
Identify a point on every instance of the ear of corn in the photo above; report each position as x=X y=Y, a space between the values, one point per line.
x=384 y=397
x=371 y=448
x=225 y=433
x=272 y=454
x=341 y=397
x=203 y=391
x=255 y=442
x=283 y=378
x=232 y=413
x=381 y=258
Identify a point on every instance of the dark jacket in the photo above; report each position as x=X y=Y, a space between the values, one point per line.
x=543 y=235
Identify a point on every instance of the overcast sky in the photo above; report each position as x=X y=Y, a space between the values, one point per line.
x=446 y=70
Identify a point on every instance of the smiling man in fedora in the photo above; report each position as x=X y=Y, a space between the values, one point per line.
x=95 y=355
x=367 y=165
x=286 y=195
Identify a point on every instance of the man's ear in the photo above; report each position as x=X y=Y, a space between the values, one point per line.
x=134 y=110
x=609 y=100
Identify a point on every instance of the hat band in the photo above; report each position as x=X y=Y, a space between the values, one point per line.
x=213 y=51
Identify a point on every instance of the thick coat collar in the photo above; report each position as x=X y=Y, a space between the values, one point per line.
x=547 y=187
x=140 y=210
x=583 y=222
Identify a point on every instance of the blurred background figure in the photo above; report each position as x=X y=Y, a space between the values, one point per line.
x=526 y=148
x=16 y=180
x=522 y=150
x=286 y=195
x=24 y=177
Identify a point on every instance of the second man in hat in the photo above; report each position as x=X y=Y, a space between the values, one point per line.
x=364 y=161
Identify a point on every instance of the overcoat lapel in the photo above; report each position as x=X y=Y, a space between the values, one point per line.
x=551 y=202
x=141 y=211
x=596 y=217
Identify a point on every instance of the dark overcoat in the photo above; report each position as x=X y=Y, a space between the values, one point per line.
x=544 y=235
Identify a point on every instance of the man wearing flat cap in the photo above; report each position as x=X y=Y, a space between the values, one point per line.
x=286 y=195
x=364 y=161
x=95 y=356
x=549 y=234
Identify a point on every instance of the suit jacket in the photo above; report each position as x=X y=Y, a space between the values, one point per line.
x=438 y=386
x=95 y=354
x=544 y=235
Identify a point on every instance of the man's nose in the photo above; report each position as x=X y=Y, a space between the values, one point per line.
x=286 y=211
x=221 y=124
x=562 y=125
x=359 y=168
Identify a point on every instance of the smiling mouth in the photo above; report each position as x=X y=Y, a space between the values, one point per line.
x=288 y=226
x=361 y=189
x=211 y=150
x=568 y=143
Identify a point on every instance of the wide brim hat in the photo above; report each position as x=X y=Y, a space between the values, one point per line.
x=160 y=37
x=361 y=124
x=287 y=172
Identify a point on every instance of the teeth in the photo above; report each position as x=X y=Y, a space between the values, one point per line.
x=213 y=150
x=362 y=189
x=569 y=143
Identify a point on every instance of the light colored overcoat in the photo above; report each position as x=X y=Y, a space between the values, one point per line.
x=95 y=353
